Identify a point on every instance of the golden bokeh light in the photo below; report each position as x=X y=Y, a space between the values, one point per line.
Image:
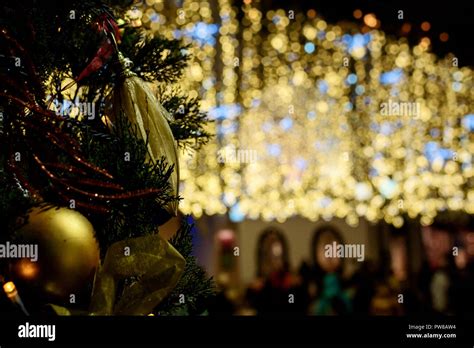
x=345 y=121
x=9 y=288
x=370 y=20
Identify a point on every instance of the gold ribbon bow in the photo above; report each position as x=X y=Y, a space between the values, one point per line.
x=154 y=263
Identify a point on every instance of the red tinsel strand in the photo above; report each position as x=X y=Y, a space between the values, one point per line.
x=98 y=209
x=121 y=196
x=23 y=182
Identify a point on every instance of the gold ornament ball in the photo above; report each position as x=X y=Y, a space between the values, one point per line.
x=68 y=253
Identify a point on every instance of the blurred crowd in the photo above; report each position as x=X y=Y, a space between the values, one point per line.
x=443 y=282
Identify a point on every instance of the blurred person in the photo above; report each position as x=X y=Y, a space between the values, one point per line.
x=394 y=294
x=323 y=279
x=438 y=271
x=275 y=289
x=462 y=288
x=363 y=283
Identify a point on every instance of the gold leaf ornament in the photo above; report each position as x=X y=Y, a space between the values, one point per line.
x=134 y=98
x=153 y=263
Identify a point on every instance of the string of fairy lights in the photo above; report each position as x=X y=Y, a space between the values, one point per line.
x=193 y=22
x=344 y=120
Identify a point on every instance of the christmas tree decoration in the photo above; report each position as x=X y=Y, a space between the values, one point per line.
x=134 y=99
x=120 y=183
x=150 y=267
x=35 y=127
x=12 y=293
x=152 y=261
x=68 y=253
x=147 y=276
x=105 y=51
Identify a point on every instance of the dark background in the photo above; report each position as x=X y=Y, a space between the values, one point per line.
x=455 y=17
